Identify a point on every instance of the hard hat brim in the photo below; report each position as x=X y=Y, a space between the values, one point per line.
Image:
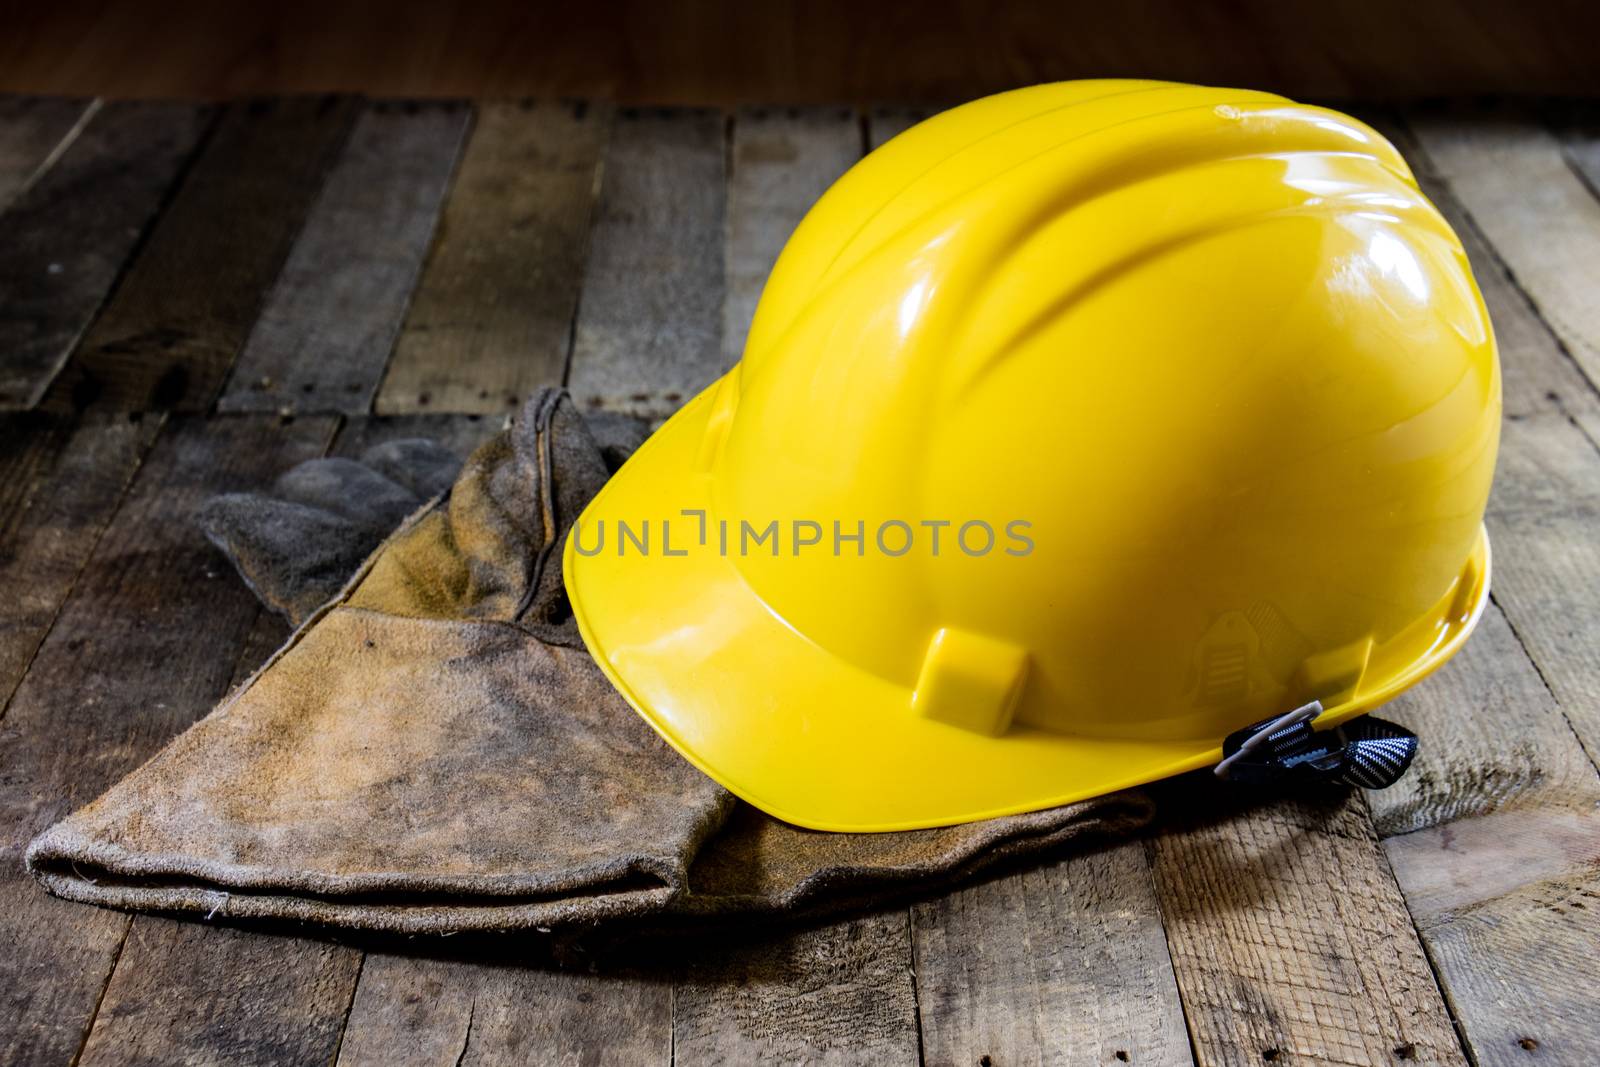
x=816 y=741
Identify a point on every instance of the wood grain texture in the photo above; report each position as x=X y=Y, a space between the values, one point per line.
x=1547 y=559
x=782 y=160
x=244 y=997
x=330 y=322
x=1511 y=174
x=1506 y=904
x=1498 y=843
x=844 y=993
x=1538 y=374
x=177 y=320
x=491 y=320
x=649 y=330
x=33 y=130
x=68 y=236
x=1289 y=937
x=1523 y=971
x=60 y=483
x=145 y=644
x=1063 y=964
x=431 y=1011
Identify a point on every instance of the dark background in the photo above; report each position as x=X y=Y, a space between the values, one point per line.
x=723 y=52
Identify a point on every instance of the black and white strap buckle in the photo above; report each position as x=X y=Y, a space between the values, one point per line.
x=1368 y=752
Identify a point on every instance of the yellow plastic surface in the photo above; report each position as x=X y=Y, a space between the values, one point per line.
x=1214 y=348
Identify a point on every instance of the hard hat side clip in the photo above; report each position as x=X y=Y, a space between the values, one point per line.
x=1368 y=752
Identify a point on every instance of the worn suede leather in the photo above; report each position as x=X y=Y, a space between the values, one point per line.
x=434 y=751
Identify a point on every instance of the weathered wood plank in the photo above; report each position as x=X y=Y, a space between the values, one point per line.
x=60 y=483
x=1579 y=132
x=1501 y=899
x=33 y=131
x=1511 y=174
x=183 y=309
x=1289 y=936
x=327 y=329
x=1523 y=970
x=231 y=1004
x=1542 y=519
x=1506 y=903
x=1498 y=824
x=1538 y=374
x=782 y=160
x=144 y=645
x=649 y=327
x=841 y=993
x=1063 y=964
x=67 y=237
x=492 y=318
x=431 y=1011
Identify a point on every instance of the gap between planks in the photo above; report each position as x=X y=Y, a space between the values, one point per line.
x=169 y=334
x=70 y=234
x=34 y=131
x=491 y=319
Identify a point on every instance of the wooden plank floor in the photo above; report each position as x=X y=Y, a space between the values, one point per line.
x=194 y=298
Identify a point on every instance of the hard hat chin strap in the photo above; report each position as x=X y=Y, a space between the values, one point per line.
x=1368 y=752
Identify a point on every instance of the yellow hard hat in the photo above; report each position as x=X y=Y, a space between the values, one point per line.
x=1078 y=427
